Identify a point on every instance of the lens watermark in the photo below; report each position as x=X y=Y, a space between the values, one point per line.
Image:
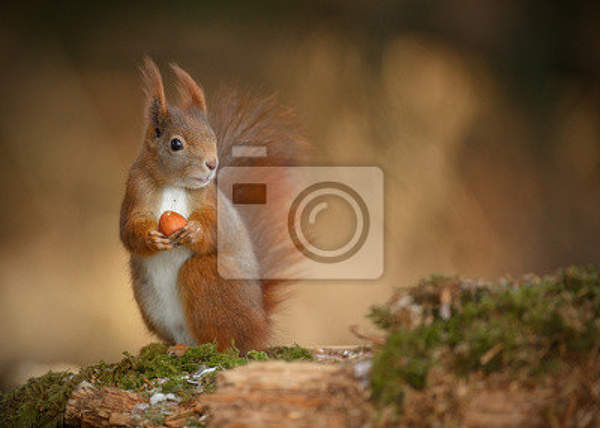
x=301 y=222
x=305 y=205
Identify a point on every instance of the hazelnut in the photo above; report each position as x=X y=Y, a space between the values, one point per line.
x=170 y=222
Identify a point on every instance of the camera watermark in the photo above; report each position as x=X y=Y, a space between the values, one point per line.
x=319 y=222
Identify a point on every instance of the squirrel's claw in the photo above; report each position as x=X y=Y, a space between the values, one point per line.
x=190 y=234
x=157 y=241
x=175 y=238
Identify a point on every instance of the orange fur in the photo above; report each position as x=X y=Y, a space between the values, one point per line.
x=191 y=93
x=241 y=117
x=153 y=85
x=216 y=309
x=219 y=310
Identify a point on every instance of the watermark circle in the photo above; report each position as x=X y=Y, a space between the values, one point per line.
x=296 y=212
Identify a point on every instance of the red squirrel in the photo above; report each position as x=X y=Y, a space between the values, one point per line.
x=181 y=296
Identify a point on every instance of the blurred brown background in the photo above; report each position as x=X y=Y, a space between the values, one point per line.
x=484 y=116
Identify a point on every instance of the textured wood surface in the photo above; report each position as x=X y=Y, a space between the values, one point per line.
x=266 y=394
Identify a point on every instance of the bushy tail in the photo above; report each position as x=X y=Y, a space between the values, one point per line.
x=242 y=119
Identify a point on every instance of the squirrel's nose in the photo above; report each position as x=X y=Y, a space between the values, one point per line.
x=211 y=164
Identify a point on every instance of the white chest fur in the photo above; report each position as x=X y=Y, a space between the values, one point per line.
x=163 y=303
x=174 y=199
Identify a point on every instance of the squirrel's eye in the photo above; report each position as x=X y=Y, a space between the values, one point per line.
x=176 y=144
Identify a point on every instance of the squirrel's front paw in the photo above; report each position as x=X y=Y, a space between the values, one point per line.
x=189 y=235
x=157 y=241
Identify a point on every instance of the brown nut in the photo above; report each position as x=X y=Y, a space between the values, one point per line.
x=171 y=222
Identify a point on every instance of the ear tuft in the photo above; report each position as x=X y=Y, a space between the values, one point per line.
x=191 y=93
x=154 y=89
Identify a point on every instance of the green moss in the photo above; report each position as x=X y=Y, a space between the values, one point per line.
x=257 y=356
x=380 y=315
x=289 y=353
x=42 y=400
x=528 y=327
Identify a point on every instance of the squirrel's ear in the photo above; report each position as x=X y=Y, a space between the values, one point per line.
x=191 y=93
x=155 y=91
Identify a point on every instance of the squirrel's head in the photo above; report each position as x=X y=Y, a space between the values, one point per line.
x=180 y=147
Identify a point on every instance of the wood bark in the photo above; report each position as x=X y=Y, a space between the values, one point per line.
x=267 y=394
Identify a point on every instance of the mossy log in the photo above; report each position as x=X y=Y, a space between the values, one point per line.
x=515 y=352
x=273 y=393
